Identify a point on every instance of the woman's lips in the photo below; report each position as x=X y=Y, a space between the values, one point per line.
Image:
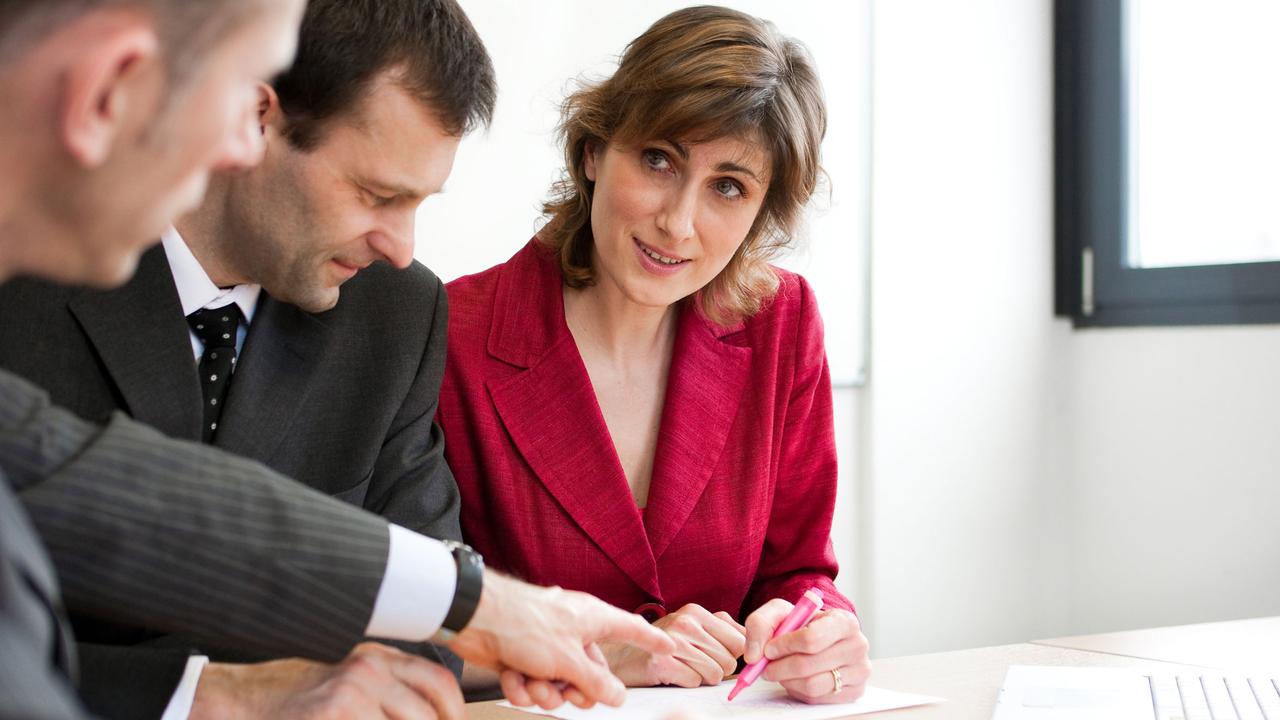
x=657 y=262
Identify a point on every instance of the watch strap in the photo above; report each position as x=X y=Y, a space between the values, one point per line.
x=466 y=594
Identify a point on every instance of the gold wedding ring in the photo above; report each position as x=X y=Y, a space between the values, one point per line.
x=835 y=675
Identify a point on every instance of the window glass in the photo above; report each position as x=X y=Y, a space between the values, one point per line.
x=1203 y=132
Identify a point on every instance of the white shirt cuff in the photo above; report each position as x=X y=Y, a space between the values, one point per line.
x=416 y=590
x=179 y=707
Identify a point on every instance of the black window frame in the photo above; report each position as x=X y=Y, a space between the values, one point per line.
x=1093 y=285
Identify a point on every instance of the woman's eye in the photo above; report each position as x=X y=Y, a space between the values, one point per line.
x=729 y=189
x=656 y=160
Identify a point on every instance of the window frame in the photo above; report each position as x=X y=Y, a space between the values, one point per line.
x=1093 y=286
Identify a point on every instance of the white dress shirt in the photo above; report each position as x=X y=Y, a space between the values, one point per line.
x=421 y=576
x=196 y=290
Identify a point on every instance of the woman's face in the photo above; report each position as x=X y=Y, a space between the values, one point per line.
x=668 y=217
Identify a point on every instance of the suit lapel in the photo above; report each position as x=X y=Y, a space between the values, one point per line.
x=552 y=415
x=704 y=388
x=274 y=373
x=142 y=337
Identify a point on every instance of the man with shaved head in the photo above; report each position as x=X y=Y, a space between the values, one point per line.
x=335 y=337
x=112 y=116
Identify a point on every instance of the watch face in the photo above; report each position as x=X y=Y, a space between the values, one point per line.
x=454 y=546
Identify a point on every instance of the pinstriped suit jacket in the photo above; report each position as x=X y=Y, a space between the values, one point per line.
x=35 y=640
x=341 y=400
x=164 y=533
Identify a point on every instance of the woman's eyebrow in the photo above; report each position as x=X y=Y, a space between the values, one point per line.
x=735 y=167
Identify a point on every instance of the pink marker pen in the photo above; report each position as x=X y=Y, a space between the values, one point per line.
x=799 y=616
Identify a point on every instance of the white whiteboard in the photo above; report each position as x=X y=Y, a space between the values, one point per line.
x=491 y=204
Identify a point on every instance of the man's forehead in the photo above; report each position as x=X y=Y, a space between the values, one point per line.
x=389 y=128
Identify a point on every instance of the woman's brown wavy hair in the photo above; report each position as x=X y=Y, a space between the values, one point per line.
x=699 y=74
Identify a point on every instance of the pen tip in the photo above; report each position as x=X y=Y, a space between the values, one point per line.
x=734 y=692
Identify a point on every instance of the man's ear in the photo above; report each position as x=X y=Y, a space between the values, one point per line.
x=270 y=114
x=105 y=83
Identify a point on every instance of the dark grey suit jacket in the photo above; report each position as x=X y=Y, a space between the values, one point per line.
x=35 y=639
x=181 y=537
x=342 y=400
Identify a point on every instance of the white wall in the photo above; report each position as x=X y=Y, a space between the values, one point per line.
x=1003 y=476
x=1025 y=479
x=962 y=347
x=1176 y=492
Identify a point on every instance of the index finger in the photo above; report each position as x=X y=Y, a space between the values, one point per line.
x=824 y=631
x=731 y=636
x=615 y=625
x=730 y=619
x=761 y=624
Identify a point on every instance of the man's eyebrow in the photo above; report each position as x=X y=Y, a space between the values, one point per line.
x=391 y=188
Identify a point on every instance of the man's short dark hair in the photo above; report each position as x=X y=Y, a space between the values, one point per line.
x=344 y=44
x=187 y=28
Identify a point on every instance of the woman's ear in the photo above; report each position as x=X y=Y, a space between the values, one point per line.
x=106 y=84
x=589 y=159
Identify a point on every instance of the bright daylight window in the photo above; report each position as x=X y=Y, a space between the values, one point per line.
x=1168 y=161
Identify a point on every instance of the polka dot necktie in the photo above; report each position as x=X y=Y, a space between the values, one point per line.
x=216 y=328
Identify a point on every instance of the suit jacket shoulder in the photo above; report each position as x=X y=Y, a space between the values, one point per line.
x=169 y=534
x=98 y=351
x=342 y=400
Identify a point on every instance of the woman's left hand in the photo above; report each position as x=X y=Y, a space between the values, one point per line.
x=822 y=662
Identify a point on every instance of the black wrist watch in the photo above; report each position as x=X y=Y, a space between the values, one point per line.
x=466 y=596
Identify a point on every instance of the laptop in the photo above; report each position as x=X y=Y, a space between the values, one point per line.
x=1067 y=693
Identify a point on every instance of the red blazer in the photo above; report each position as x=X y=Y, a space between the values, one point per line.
x=744 y=479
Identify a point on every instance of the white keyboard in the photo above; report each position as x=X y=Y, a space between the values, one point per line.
x=1214 y=697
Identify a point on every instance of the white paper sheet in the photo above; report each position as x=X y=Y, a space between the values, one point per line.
x=1067 y=693
x=761 y=700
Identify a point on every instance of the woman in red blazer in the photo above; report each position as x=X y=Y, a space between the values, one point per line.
x=636 y=404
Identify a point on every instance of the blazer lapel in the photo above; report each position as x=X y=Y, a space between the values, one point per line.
x=274 y=374
x=552 y=415
x=142 y=337
x=704 y=388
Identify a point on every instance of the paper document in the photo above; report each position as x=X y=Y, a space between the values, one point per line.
x=1066 y=693
x=761 y=700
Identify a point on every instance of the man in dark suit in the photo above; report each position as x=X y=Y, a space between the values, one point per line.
x=328 y=378
x=114 y=112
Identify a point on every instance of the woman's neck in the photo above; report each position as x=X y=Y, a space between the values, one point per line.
x=607 y=323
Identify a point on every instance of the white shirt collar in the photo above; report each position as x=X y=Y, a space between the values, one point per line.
x=195 y=289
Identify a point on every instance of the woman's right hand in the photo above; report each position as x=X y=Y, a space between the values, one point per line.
x=708 y=646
